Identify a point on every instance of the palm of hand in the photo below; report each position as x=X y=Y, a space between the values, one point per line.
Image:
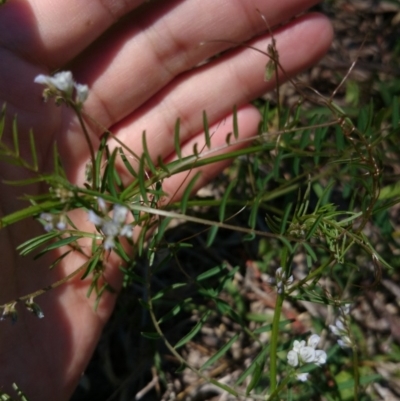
x=141 y=77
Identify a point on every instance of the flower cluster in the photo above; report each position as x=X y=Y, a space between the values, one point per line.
x=61 y=85
x=280 y=280
x=341 y=327
x=111 y=227
x=10 y=310
x=303 y=353
x=53 y=221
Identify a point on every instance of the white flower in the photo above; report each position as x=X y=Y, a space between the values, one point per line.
x=280 y=280
x=94 y=218
x=82 y=93
x=293 y=358
x=340 y=328
x=113 y=227
x=62 y=81
x=320 y=357
x=298 y=345
x=307 y=354
x=302 y=354
x=52 y=221
x=313 y=341
x=302 y=377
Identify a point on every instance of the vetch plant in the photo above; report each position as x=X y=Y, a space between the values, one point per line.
x=61 y=86
x=341 y=327
x=279 y=195
x=111 y=227
x=303 y=354
x=281 y=281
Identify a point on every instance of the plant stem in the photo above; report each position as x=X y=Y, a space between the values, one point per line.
x=274 y=342
x=89 y=142
x=273 y=352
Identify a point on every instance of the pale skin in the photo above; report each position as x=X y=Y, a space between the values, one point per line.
x=141 y=75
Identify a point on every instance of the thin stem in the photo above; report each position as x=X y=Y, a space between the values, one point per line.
x=273 y=350
x=89 y=142
x=274 y=342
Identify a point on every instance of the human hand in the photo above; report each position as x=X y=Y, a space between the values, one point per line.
x=142 y=75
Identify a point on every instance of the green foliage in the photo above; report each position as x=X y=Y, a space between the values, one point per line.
x=302 y=194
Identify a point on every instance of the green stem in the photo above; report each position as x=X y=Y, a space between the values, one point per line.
x=273 y=351
x=89 y=142
x=274 y=342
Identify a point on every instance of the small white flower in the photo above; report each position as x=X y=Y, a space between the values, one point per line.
x=52 y=221
x=313 y=341
x=344 y=342
x=280 y=280
x=119 y=214
x=302 y=354
x=102 y=205
x=340 y=328
x=303 y=377
x=63 y=82
x=293 y=358
x=82 y=93
x=94 y=218
x=48 y=219
x=307 y=354
x=320 y=357
x=298 y=345
x=61 y=224
x=111 y=227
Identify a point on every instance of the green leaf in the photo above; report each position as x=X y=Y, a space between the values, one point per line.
x=206 y=130
x=265 y=118
x=319 y=137
x=210 y=273
x=256 y=376
x=188 y=192
x=235 y=123
x=146 y=154
x=58 y=244
x=92 y=265
x=314 y=227
x=254 y=210
x=259 y=359
x=285 y=217
x=161 y=294
x=33 y=151
x=175 y=311
x=310 y=251
x=142 y=180
x=224 y=387
x=36 y=242
x=194 y=330
x=127 y=164
x=220 y=353
x=151 y=335
x=268 y=327
x=177 y=139
x=211 y=234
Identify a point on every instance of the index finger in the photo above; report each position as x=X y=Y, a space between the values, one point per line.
x=52 y=33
